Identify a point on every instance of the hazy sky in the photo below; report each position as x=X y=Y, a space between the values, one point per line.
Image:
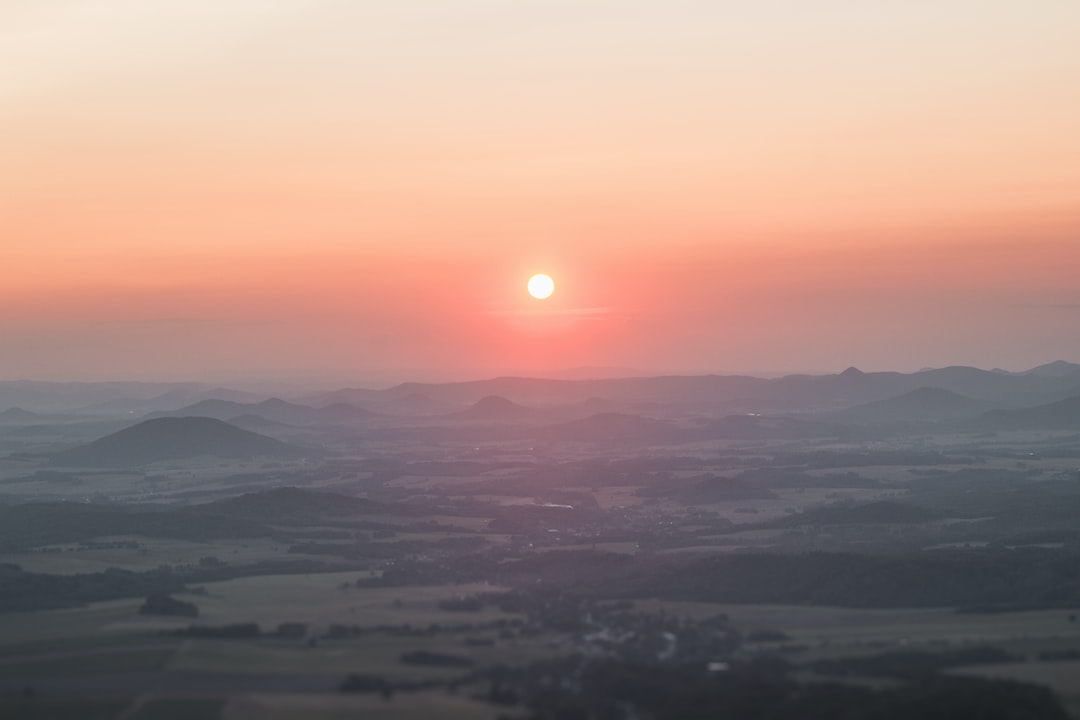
x=222 y=188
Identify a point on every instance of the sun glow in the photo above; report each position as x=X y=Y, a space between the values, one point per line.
x=541 y=286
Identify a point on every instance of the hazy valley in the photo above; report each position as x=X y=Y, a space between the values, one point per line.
x=519 y=547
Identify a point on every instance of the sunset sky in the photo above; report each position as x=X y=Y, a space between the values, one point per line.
x=359 y=190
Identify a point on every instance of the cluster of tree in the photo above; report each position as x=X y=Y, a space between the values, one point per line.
x=292 y=630
x=912 y=665
x=340 y=631
x=234 y=631
x=950 y=578
x=23 y=590
x=435 y=659
x=370 y=684
x=385 y=550
x=925 y=579
x=35 y=524
x=1059 y=655
x=111 y=545
x=356 y=683
x=268 y=513
x=162 y=604
x=617 y=628
x=573 y=689
x=767 y=636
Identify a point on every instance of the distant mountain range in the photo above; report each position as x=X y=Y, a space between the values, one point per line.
x=182 y=438
x=1058 y=368
x=935 y=404
x=711 y=394
x=171 y=439
x=737 y=393
x=494 y=408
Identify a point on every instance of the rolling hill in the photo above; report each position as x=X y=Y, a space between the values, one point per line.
x=494 y=408
x=18 y=416
x=925 y=403
x=1061 y=415
x=164 y=439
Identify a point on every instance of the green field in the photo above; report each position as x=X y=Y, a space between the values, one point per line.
x=52 y=627
x=373 y=654
x=316 y=600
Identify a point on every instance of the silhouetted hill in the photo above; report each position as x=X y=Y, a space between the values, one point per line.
x=284 y=411
x=341 y=412
x=1056 y=369
x=255 y=423
x=350 y=396
x=214 y=408
x=18 y=416
x=925 y=403
x=494 y=408
x=175 y=439
x=975 y=383
x=1061 y=415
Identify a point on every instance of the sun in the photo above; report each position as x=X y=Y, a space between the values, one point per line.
x=541 y=286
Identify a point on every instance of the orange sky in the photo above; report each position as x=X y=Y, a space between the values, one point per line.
x=359 y=191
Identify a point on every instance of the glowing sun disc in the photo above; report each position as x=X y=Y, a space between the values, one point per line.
x=541 y=286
